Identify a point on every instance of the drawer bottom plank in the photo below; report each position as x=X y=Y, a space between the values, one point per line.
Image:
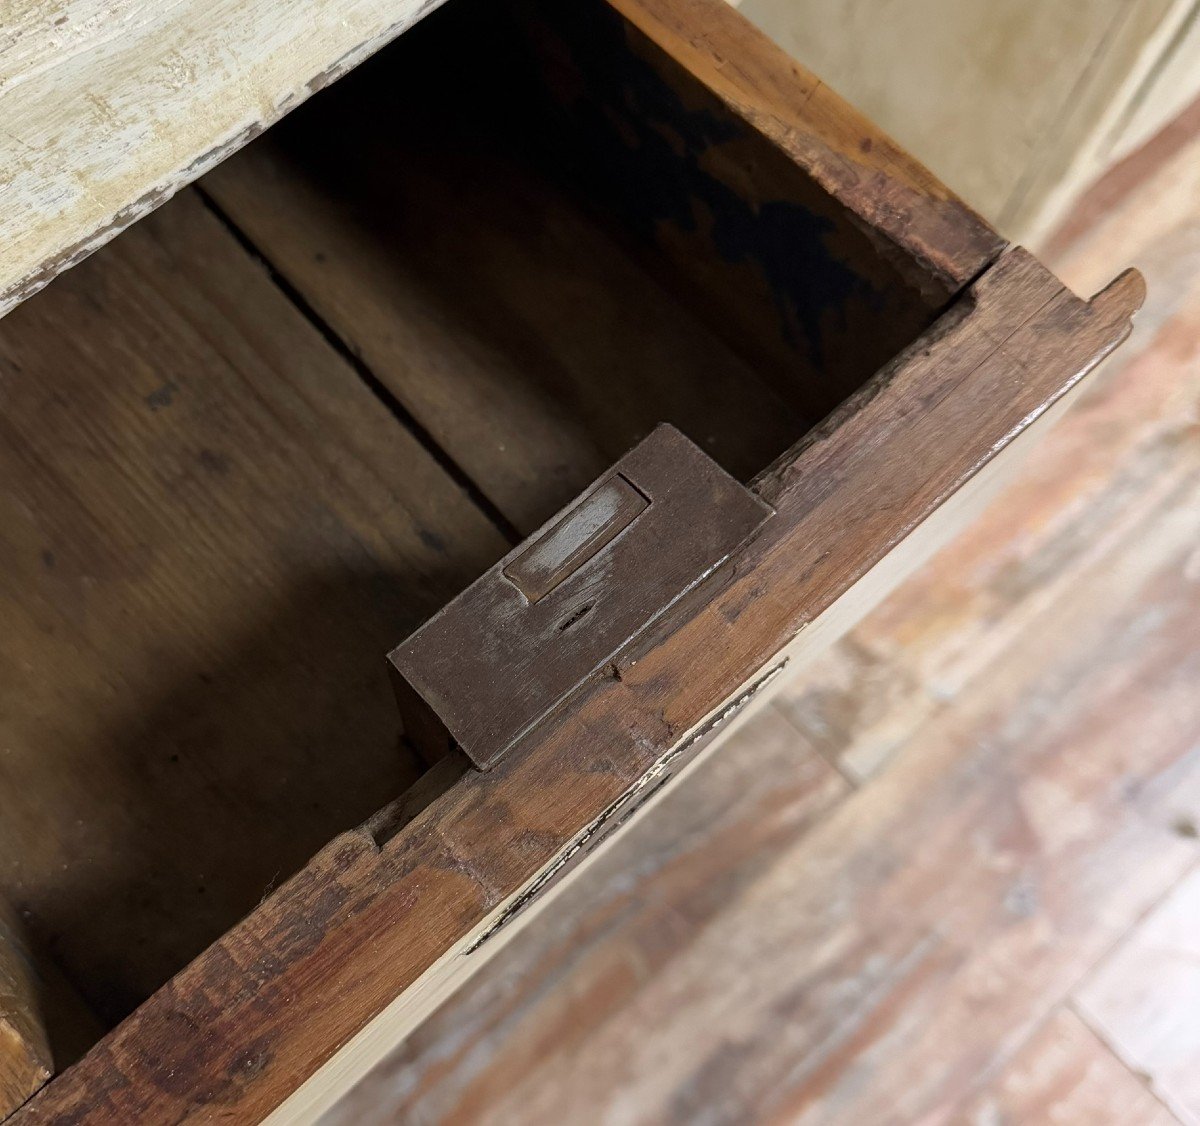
x=510 y=319
x=210 y=534
x=26 y=1060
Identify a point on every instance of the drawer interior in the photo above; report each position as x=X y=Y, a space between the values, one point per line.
x=250 y=445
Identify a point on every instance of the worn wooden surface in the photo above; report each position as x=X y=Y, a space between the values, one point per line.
x=506 y=315
x=894 y=197
x=219 y=476
x=210 y=534
x=852 y=493
x=985 y=592
x=1065 y=1075
x=110 y=107
x=746 y=177
x=674 y=873
x=884 y=960
x=26 y=1060
x=1144 y=999
x=996 y=922
x=183 y=562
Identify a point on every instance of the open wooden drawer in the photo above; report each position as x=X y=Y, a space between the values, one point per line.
x=257 y=441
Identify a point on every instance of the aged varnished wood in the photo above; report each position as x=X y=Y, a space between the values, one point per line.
x=376 y=921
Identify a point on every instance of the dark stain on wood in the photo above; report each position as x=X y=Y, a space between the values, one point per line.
x=788 y=239
x=656 y=154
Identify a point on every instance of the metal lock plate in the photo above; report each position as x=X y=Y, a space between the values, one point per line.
x=517 y=642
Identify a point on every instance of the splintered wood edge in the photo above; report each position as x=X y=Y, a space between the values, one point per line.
x=25 y=1058
x=286 y=1010
x=108 y=113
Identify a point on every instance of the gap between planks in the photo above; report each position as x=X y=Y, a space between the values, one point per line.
x=1141 y=1078
x=374 y=384
x=1065 y=1001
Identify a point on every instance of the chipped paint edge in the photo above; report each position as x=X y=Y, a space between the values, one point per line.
x=91 y=234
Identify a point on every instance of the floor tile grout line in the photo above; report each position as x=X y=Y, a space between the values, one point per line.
x=1065 y=1000
x=374 y=384
x=1141 y=1078
x=1189 y=870
x=1109 y=951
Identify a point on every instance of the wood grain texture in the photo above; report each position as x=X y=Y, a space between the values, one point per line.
x=110 y=107
x=26 y=1061
x=1078 y=501
x=1065 y=1074
x=896 y=962
x=611 y=934
x=248 y=1022
x=1144 y=998
x=505 y=312
x=210 y=533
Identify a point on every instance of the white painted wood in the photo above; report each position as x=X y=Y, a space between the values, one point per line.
x=1167 y=88
x=1016 y=104
x=108 y=107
